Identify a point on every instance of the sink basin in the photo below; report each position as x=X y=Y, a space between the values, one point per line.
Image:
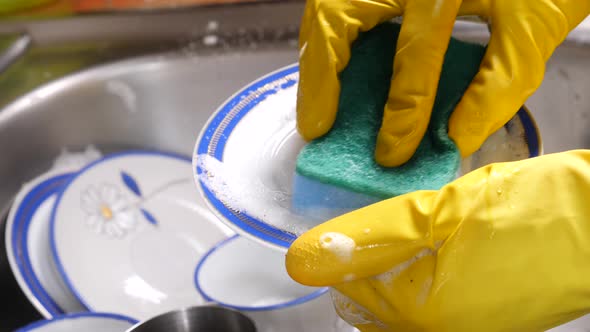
x=162 y=100
x=154 y=102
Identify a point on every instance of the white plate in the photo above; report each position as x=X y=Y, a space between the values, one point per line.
x=87 y=322
x=127 y=231
x=244 y=159
x=27 y=236
x=28 y=248
x=243 y=275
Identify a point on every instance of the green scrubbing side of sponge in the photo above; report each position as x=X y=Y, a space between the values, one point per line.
x=344 y=157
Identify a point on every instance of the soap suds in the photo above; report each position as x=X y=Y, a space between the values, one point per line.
x=388 y=277
x=339 y=244
x=255 y=176
x=244 y=194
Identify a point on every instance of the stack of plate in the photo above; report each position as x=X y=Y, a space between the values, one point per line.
x=128 y=235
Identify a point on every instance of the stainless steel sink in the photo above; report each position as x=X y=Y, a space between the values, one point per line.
x=176 y=68
x=151 y=80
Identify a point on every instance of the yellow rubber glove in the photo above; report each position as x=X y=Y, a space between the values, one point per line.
x=524 y=35
x=503 y=248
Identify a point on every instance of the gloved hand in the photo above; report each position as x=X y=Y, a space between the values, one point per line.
x=503 y=248
x=524 y=35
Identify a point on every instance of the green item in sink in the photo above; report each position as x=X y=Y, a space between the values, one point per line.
x=338 y=170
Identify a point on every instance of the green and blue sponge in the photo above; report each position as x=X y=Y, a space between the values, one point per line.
x=337 y=173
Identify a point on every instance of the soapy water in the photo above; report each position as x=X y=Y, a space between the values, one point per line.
x=256 y=175
x=249 y=196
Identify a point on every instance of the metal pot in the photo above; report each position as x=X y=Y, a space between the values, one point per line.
x=197 y=319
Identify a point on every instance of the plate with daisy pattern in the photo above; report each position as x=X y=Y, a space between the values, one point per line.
x=126 y=232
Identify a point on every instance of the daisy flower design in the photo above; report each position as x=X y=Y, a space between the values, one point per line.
x=108 y=210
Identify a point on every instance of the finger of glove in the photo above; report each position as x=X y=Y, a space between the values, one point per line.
x=421 y=47
x=511 y=70
x=329 y=28
x=572 y=12
x=306 y=22
x=365 y=242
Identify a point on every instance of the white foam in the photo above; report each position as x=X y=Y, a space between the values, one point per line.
x=339 y=244
x=256 y=175
x=388 y=277
x=248 y=195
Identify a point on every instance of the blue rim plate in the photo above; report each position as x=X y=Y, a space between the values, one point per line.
x=27 y=203
x=297 y=301
x=214 y=136
x=149 y=221
x=106 y=316
x=60 y=266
